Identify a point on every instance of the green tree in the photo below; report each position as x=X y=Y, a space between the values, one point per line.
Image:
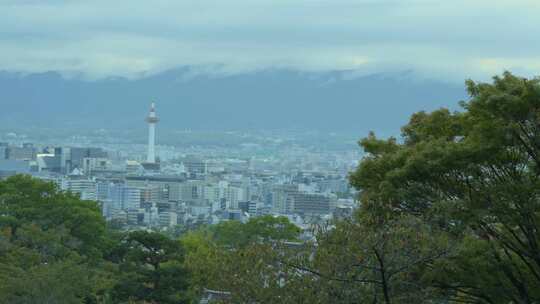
x=24 y=199
x=51 y=245
x=152 y=269
x=354 y=261
x=240 y=258
x=258 y=229
x=475 y=175
x=204 y=261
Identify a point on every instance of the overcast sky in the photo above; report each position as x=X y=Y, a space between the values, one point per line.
x=448 y=39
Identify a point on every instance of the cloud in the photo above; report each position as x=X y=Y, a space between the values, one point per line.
x=446 y=39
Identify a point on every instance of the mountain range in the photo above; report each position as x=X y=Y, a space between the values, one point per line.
x=336 y=101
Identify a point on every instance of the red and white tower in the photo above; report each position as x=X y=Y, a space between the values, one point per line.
x=152 y=120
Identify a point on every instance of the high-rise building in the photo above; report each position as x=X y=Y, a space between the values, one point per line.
x=133 y=167
x=193 y=192
x=118 y=196
x=282 y=197
x=194 y=165
x=248 y=207
x=91 y=164
x=162 y=188
x=234 y=196
x=67 y=159
x=3 y=150
x=152 y=120
x=26 y=152
x=83 y=186
x=168 y=218
x=78 y=155
x=307 y=203
x=62 y=160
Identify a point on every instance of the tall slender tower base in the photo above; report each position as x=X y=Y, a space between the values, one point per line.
x=151 y=156
x=152 y=120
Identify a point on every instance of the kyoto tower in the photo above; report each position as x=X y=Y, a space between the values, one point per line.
x=152 y=120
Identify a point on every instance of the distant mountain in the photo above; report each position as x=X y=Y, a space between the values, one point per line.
x=272 y=99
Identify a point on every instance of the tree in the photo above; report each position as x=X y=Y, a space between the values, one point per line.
x=475 y=175
x=271 y=228
x=24 y=199
x=204 y=260
x=357 y=262
x=65 y=281
x=51 y=244
x=152 y=269
x=240 y=258
x=259 y=229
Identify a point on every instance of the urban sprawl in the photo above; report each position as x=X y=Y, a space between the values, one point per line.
x=170 y=188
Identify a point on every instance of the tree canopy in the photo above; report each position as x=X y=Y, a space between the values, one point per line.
x=474 y=175
x=56 y=248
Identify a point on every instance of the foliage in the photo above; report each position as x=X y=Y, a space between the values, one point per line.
x=151 y=269
x=56 y=248
x=356 y=262
x=27 y=200
x=232 y=256
x=264 y=228
x=51 y=244
x=474 y=175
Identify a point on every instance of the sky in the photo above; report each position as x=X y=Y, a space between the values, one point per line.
x=449 y=40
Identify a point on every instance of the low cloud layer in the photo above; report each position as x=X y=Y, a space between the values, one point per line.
x=451 y=40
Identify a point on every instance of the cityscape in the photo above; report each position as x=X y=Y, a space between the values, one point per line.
x=170 y=188
x=270 y=152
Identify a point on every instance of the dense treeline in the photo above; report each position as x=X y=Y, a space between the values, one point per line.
x=56 y=248
x=473 y=179
x=449 y=214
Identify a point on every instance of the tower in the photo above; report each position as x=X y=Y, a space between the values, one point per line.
x=151 y=120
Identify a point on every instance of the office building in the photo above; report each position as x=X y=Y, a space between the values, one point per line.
x=307 y=203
